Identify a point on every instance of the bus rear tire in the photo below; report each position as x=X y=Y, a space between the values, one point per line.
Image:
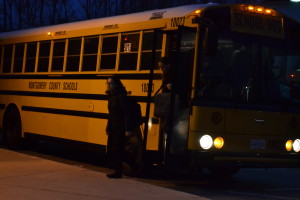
x=12 y=128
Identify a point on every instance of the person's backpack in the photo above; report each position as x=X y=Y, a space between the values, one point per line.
x=135 y=112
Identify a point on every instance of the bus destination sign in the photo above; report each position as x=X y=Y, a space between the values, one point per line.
x=257 y=23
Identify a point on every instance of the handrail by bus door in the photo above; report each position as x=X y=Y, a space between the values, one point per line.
x=150 y=85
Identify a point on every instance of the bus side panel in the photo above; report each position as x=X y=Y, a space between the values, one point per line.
x=90 y=130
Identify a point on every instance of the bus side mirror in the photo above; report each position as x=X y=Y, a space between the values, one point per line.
x=210 y=41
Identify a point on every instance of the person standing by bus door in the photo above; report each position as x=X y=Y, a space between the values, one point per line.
x=164 y=64
x=117 y=129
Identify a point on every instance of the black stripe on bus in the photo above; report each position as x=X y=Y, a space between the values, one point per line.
x=65 y=95
x=80 y=76
x=66 y=112
x=55 y=94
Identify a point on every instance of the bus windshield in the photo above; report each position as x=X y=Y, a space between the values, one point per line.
x=251 y=69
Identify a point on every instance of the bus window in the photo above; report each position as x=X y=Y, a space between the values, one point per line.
x=7 y=58
x=58 y=55
x=73 y=57
x=90 y=53
x=18 y=59
x=283 y=71
x=147 y=46
x=30 y=57
x=109 y=52
x=44 y=54
x=129 y=51
x=227 y=73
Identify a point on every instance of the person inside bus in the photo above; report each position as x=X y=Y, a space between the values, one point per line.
x=164 y=64
x=119 y=127
x=163 y=98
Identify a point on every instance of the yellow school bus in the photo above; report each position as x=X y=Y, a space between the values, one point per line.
x=234 y=69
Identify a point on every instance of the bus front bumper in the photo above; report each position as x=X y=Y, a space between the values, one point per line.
x=247 y=160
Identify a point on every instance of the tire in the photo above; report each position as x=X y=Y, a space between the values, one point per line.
x=12 y=128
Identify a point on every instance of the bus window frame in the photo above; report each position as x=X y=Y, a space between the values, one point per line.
x=122 y=52
x=54 y=56
x=91 y=54
x=67 y=55
x=29 y=59
x=158 y=51
x=11 y=59
x=19 y=58
x=108 y=54
x=49 y=56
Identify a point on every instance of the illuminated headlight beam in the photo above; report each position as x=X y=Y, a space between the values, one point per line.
x=206 y=142
x=296 y=145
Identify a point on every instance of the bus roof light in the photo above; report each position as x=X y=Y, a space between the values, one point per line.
x=268 y=11
x=197 y=11
x=250 y=8
x=259 y=9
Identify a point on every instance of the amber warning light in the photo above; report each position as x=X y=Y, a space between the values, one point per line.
x=259 y=10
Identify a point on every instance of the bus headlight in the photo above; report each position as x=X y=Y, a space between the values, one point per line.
x=219 y=142
x=296 y=145
x=289 y=145
x=206 y=141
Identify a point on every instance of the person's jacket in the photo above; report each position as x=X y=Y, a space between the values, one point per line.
x=167 y=79
x=119 y=113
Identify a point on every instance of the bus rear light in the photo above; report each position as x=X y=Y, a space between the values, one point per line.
x=296 y=145
x=206 y=142
x=219 y=142
x=289 y=145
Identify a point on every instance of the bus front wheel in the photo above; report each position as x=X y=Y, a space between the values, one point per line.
x=12 y=128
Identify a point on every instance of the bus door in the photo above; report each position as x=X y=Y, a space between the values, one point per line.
x=180 y=48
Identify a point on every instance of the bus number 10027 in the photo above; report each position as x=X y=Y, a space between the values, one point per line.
x=177 y=21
